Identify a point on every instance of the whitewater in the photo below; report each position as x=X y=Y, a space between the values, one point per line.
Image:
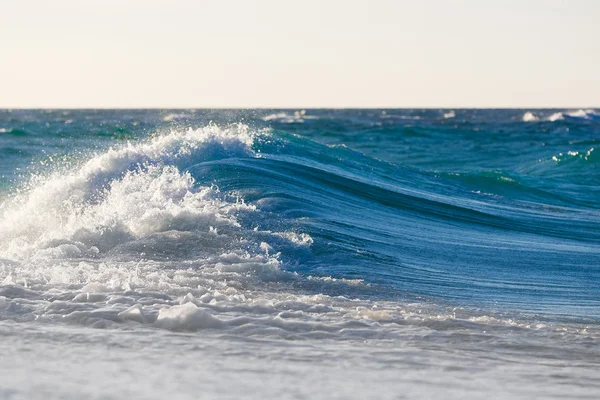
x=299 y=254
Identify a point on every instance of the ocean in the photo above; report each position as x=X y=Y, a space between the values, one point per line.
x=299 y=254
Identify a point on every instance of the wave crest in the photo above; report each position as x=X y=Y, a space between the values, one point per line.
x=134 y=218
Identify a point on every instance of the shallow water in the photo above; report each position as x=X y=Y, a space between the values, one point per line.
x=368 y=253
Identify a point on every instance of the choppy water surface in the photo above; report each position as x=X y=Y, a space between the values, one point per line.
x=300 y=253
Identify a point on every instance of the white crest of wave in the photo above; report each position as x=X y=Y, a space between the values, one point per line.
x=530 y=117
x=175 y=117
x=287 y=118
x=588 y=114
x=585 y=114
x=558 y=116
x=121 y=195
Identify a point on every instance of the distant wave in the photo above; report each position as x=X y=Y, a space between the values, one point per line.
x=297 y=117
x=387 y=115
x=559 y=116
x=581 y=114
x=14 y=132
x=175 y=117
x=529 y=117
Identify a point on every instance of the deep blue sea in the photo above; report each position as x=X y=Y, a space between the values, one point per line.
x=428 y=252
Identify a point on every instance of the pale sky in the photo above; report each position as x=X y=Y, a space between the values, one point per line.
x=277 y=53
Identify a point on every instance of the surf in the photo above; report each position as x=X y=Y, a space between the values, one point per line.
x=263 y=208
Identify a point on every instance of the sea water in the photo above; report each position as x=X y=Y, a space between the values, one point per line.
x=299 y=254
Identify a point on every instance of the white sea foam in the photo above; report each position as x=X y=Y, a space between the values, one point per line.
x=124 y=217
x=573 y=155
x=558 y=116
x=584 y=114
x=450 y=114
x=175 y=116
x=530 y=117
x=576 y=114
x=385 y=115
x=123 y=194
x=287 y=118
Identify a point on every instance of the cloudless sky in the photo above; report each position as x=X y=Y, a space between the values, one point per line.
x=278 y=53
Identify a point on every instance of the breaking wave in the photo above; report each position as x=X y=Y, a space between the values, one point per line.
x=561 y=116
x=249 y=230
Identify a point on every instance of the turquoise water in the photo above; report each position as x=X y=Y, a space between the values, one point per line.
x=461 y=222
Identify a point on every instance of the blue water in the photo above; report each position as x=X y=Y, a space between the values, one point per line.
x=299 y=254
x=493 y=210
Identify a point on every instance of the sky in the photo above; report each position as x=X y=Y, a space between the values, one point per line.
x=292 y=54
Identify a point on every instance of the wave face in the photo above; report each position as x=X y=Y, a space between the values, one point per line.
x=308 y=224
